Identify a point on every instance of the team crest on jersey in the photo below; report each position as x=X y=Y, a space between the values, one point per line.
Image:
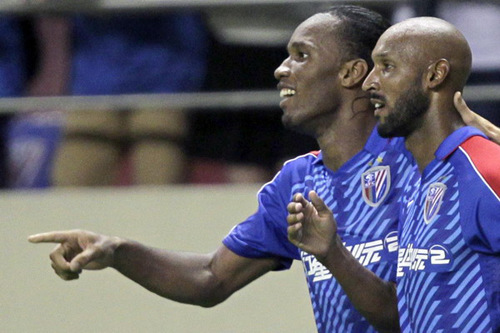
x=375 y=184
x=433 y=201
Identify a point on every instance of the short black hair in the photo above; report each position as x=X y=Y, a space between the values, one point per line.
x=358 y=31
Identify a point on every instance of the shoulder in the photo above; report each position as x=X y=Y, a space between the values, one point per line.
x=484 y=157
x=302 y=160
x=293 y=170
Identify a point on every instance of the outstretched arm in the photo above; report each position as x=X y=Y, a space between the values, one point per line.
x=312 y=228
x=201 y=279
x=473 y=119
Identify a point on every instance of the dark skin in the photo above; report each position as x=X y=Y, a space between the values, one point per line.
x=329 y=104
x=201 y=279
x=418 y=48
x=436 y=57
x=473 y=119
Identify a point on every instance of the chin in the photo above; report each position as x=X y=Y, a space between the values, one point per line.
x=392 y=132
x=385 y=131
x=286 y=120
x=289 y=123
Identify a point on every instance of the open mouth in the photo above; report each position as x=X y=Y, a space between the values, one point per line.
x=287 y=92
x=377 y=102
x=378 y=105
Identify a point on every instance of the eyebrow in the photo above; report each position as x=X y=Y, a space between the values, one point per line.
x=296 y=45
x=383 y=54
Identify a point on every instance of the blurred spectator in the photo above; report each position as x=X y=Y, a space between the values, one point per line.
x=124 y=54
x=479 y=21
x=30 y=67
x=12 y=78
x=34 y=136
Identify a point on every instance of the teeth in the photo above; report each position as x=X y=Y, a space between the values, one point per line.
x=285 y=92
x=378 y=105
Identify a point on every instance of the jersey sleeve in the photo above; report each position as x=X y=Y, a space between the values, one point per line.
x=481 y=195
x=264 y=234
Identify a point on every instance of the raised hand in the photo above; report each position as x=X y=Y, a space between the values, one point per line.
x=78 y=250
x=311 y=225
x=473 y=119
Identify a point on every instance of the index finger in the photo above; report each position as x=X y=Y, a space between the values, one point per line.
x=49 y=237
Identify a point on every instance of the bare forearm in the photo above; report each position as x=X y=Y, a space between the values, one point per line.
x=373 y=297
x=182 y=277
x=494 y=133
x=201 y=279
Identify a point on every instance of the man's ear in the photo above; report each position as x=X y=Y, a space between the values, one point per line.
x=353 y=73
x=437 y=72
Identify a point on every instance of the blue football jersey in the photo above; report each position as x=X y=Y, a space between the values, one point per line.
x=364 y=196
x=449 y=256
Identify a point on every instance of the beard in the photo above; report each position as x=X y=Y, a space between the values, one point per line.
x=407 y=116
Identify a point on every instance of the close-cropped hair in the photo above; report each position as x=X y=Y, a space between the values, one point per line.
x=358 y=30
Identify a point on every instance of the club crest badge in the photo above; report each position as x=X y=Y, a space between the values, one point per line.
x=433 y=201
x=375 y=184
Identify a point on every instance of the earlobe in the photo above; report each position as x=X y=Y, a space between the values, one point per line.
x=437 y=73
x=353 y=73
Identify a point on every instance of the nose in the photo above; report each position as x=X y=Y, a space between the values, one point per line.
x=283 y=70
x=371 y=82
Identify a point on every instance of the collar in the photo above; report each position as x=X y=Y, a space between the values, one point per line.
x=319 y=158
x=375 y=144
x=455 y=139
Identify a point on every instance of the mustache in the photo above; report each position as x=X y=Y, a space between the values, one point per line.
x=374 y=95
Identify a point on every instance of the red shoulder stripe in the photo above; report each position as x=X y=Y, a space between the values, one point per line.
x=485 y=156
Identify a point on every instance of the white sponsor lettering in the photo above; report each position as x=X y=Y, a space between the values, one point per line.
x=415 y=259
x=314 y=268
x=366 y=253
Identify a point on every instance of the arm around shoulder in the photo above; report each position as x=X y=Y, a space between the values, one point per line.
x=473 y=119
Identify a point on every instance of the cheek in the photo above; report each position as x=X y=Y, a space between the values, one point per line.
x=326 y=87
x=321 y=99
x=392 y=92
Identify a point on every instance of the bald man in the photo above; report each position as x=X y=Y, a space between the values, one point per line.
x=449 y=256
x=448 y=274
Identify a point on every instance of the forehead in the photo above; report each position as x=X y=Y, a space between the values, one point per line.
x=394 y=45
x=318 y=30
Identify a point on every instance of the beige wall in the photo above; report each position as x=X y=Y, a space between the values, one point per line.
x=34 y=299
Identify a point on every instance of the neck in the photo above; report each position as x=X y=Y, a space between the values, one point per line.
x=438 y=123
x=347 y=134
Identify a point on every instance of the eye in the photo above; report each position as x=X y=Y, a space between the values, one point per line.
x=303 y=55
x=300 y=56
x=387 y=67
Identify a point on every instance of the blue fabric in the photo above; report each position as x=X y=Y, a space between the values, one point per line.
x=138 y=54
x=449 y=263
x=367 y=225
x=33 y=142
x=12 y=58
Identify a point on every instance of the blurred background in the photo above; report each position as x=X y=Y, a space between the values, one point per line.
x=141 y=118
x=117 y=92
